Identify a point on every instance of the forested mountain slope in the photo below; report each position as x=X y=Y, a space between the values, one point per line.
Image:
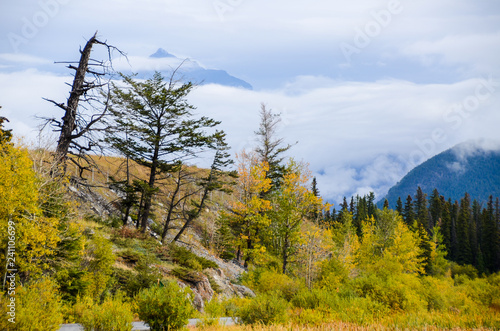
x=467 y=167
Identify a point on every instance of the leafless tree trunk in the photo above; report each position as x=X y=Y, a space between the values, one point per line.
x=73 y=124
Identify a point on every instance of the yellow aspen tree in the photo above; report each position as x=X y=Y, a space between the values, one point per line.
x=290 y=206
x=26 y=235
x=247 y=215
x=315 y=247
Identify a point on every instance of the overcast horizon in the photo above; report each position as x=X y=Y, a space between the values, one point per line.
x=368 y=89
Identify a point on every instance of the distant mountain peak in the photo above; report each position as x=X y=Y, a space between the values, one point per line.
x=160 y=53
x=191 y=71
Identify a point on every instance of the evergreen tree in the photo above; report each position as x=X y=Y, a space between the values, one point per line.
x=445 y=225
x=435 y=209
x=361 y=213
x=475 y=228
x=314 y=187
x=386 y=204
x=5 y=135
x=371 y=206
x=425 y=248
x=344 y=208
x=161 y=131
x=408 y=213
x=399 y=206
x=315 y=214
x=454 y=246
x=352 y=206
x=490 y=237
x=463 y=232
x=421 y=211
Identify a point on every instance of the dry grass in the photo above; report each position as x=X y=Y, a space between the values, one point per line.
x=339 y=325
x=323 y=327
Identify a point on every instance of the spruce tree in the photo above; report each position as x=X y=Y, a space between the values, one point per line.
x=371 y=206
x=490 y=237
x=421 y=211
x=475 y=228
x=463 y=232
x=454 y=246
x=435 y=209
x=445 y=225
x=399 y=206
x=408 y=213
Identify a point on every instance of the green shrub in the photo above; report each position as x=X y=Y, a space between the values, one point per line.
x=130 y=256
x=146 y=275
x=311 y=299
x=186 y=258
x=165 y=308
x=401 y=292
x=267 y=281
x=37 y=307
x=462 y=272
x=187 y=275
x=308 y=317
x=332 y=275
x=267 y=309
x=112 y=315
x=71 y=283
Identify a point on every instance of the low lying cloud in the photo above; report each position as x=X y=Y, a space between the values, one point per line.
x=357 y=137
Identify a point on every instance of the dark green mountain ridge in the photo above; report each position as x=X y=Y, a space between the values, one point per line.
x=471 y=167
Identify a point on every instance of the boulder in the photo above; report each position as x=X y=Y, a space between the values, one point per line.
x=228 y=289
x=200 y=285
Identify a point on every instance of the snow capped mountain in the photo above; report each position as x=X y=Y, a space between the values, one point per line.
x=187 y=70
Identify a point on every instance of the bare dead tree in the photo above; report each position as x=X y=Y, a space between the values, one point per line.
x=84 y=109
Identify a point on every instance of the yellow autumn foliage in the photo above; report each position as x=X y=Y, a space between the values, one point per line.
x=32 y=237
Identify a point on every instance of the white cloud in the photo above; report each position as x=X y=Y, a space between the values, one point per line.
x=24 y=59
x=359 y=124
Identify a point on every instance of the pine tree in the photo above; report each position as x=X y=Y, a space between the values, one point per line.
x=445 y=225
x=371 y=206
x=425 y=248
x=352 y=206
x=315 y=214
x=421 y=211
x=399 y=206
x=435 y=209
x=408 y=213
x=454 y=246
x=5 y=135
x=463 y=232
x=475 y=228
x=344 y=208
x=161 y=131
x=490 y=237
x=361 y=213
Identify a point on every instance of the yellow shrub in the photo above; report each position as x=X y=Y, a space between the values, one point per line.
x=37 y=307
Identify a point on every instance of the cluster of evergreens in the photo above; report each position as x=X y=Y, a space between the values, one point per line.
x=469 y=229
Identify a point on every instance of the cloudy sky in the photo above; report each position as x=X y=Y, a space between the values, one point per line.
x=368 y=88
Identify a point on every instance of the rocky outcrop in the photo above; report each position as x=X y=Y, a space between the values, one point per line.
x=200 y=285
x=231 y=270
x=95 y=202
x=225 y=287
